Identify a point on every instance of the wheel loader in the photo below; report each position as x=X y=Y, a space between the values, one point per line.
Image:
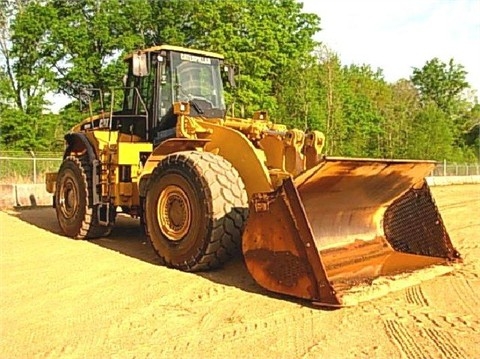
x=205 y=184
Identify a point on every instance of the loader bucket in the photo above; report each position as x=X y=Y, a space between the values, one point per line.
x=345 y=224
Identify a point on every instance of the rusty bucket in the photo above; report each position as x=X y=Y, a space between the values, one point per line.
x=345 y=224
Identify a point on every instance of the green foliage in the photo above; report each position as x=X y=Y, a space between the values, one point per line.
x=431 y=135
x=364 y=116
x=25 y=78
x=32 y=72
x=71 y=45
x=401 y=112
x=89 y=38
x=440 y=83
x=261 y=38
x=443 y=85
x=469 y=139
x=34 y=131
x=72 y=114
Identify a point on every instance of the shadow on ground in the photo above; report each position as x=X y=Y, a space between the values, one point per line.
x=127 y=238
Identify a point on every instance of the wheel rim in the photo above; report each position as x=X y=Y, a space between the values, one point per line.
x=174 y=213
x=68 y=198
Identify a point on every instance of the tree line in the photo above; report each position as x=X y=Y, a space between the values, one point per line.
x=62 y=46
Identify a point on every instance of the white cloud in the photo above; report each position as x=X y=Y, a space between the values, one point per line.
x=399 y=35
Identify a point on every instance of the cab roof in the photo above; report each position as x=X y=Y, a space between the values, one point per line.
x=178 y=49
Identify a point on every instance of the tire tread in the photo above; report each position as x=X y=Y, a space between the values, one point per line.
x=224 y=189
x=90 y=228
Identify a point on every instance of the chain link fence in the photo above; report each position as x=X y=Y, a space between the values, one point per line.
x=456 y=169
x=30 y=167
x=27 y=167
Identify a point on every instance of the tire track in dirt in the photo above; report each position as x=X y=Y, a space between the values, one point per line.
x=435 y=328
x=430 y=317
x=414 y=295
x=418 y=331
x=403 y=339
x=461 y=323
x=470 y=274
x=296 y=329
x=436 y=340
x=258 y=327
x=232 y=334
x=445 y=343
x=470 y=247
x=465 y=293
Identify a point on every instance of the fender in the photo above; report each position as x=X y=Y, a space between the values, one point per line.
x=161 y=151
x=236 y=148
x=232 y=145
x=78 y=142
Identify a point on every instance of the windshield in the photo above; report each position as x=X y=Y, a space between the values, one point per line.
x=197 y=78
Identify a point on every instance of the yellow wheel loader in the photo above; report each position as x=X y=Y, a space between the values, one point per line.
x=205 y=184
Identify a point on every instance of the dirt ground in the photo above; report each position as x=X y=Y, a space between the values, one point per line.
x=109 y=299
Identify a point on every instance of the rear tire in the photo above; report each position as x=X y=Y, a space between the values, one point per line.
x=195 y=210
x=76 y=215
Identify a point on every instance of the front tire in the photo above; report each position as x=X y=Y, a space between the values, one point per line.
x=195 y=210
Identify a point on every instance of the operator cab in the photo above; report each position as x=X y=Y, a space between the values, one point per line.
x=159 y=76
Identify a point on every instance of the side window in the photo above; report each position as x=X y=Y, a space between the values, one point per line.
x=165 y=89
x=145 y=85
x=147 y=91
x=129 y=101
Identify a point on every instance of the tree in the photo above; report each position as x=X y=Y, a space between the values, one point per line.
x=470 y=134
x=405 y=106
x=330 y=85
x=432 y=136
x=87 y=39
x=262 y=38
x=440 y=83
x=296 y=95
x=363 y=122
x=444 y=84
x=25 y=77
x=67 y=45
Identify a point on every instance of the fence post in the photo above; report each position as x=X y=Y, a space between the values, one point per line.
x=34 y=167
x=444 y=167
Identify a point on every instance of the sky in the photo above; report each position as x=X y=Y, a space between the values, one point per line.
x=398 y=35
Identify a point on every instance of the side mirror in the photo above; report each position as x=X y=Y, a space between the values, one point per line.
x=230 y=75
x=139 y=64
